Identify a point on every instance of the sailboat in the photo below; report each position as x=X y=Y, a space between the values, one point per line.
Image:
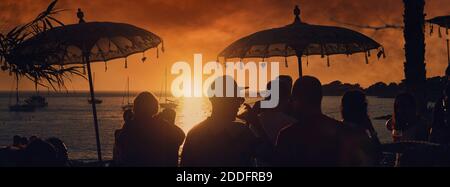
x=20 y=107
x=169 y=104
x=96 y=100
x=36 y=100
x=129 y=104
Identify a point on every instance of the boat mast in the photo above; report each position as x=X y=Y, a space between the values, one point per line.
x=165 y=84
x=128 y=89
x=17 y=88
x=36 y=85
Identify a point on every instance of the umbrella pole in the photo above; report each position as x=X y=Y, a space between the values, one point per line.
x=17 y=88
x=300 y=71
x=94 y=108
x=448 y=52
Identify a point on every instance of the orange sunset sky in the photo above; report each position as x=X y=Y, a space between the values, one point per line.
x=208 y=26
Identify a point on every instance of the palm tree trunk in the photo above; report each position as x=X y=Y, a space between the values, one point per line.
x=415 y=73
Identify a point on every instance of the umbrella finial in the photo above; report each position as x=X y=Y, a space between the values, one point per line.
x=80 y=16
x=297 y=14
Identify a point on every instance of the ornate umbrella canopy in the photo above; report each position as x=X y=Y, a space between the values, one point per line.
x=102 y=41
x=298 y=39
x=84 y=43
x=442 y=21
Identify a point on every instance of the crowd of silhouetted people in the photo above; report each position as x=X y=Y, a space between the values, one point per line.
x=295 y=133
x=35 y=152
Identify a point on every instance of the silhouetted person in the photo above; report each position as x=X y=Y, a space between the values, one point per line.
x=19 y=142
x=285 y=94
x=168 y=115
x=440 y=130
x=16 y=141
x=40 y=153
x=405 y=123
x=313 y=140
x=220 y=141
x=13 y=156
x=146 y=140
x=275 y=119
x=127 y=118
x=362 y=140
x=23 y=142
x=61 y=151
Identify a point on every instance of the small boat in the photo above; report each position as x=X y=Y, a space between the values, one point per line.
x=37 y=101
x=168 y=104
x=96 y=101
x=21 y=108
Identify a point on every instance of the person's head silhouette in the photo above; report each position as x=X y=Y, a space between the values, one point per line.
x=61 y=150
x=41 y=154
x=169 y=115
x=225 y=107
x=127 y=115
x=145 y=106
x=16 y=140
x=354 y=106
x=307 y=95
x=285 y=86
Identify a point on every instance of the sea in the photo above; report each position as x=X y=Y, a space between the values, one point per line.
x=69 y=117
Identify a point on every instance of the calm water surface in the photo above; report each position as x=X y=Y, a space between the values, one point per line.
x=70 y=119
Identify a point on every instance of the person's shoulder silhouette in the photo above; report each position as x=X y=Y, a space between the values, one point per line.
x=312 y=141
x=147 y=140
x=220 y=140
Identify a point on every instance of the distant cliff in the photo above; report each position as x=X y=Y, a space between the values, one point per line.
x=337 y=88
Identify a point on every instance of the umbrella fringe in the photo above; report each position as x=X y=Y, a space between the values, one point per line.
x=307 y=61
x=431 y=29
x=157 y=52
x=286 y=62
x=328 y=61
x=144 y=58
x=367 y=58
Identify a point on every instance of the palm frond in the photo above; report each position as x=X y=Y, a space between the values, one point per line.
x=34 y=67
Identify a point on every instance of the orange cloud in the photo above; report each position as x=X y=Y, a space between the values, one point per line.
x=208 y=26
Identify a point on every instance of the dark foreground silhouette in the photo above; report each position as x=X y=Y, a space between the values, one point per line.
x=34 y=152
x=220 y=140
x=146 y=139
x=294 y=134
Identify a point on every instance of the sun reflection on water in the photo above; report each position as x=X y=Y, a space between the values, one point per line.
x=191 y=111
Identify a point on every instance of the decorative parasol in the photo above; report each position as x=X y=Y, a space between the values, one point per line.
x=84 y=43
x=301 y=39
x=442 y=21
